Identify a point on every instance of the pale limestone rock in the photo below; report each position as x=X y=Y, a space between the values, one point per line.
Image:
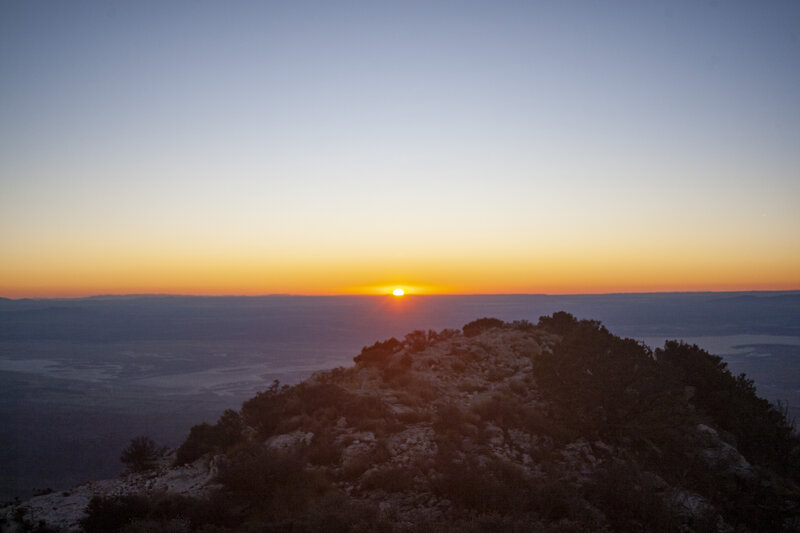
x=415 y=441
x=719 y=453
x=289 y=441
x=65 y=509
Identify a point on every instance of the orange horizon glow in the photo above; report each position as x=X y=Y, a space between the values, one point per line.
x=81 y=273
x=380 y=291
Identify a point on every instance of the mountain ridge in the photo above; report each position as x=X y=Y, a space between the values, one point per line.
x=498 y=426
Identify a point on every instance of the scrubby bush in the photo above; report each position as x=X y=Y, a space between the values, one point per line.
x=560 y=323
x=630 y=500
x=295 y=503
x=205 y=438
x=496 y=487
x=504 y=411
x=523 y=325
x=275 y=485
x=476 y=327
x=447 y=333
x=379 y=353
x=451 y=425
x=514 y=500
x=141 y=454
x=271 y=411
x=417 y=340
x=336 y=513
x=159 y=513
x=111 y=514
x=198 y=443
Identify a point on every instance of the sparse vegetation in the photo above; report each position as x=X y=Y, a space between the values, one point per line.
x=160 y=513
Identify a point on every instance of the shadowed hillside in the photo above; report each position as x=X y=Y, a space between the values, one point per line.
x=558 y=426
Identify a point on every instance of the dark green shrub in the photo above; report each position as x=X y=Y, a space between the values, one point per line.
x=204 y=438
x=379 y=353
x=762 y=431
x=141 y=454
x=157 y=513
x=336 y=513
x=560 y=323
x=497 y=487
x=272 y=411
x=523 y=325
x=599 y=384
x=265 y=410
x=198 y=443
x=417 y=340
x=106 y=515
x=630 y=499
x=476 y=327
x=446 y=333
x=275 y=485
x=505 y=411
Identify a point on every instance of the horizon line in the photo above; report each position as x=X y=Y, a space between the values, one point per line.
x=372 y=295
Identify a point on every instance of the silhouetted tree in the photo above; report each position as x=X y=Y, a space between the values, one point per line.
x=140 y=454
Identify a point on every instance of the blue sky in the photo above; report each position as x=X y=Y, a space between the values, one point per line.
x=416 y=138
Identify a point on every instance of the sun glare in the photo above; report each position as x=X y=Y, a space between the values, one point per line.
x=398 y=292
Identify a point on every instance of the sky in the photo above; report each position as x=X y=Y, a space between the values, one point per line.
x=444 y=147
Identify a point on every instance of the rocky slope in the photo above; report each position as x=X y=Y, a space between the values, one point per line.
x=559 y=426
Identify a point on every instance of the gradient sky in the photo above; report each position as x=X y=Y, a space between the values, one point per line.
x=335 y=147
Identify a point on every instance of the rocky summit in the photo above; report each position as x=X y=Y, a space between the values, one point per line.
x=555 y=426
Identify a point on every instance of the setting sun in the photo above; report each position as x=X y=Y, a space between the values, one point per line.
x=398 y=292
